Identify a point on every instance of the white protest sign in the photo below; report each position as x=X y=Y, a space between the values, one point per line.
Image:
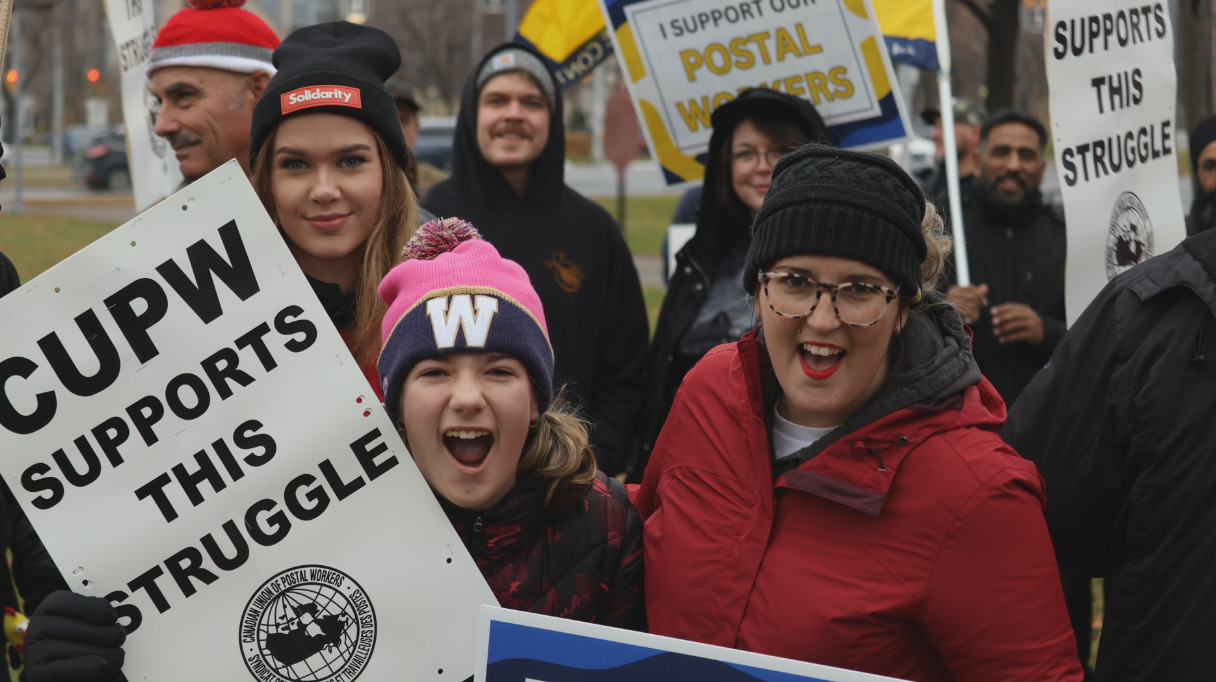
x=193 y=441
x=153 y=166
x=684 y=58
x=1110 y=66
x=514 y=646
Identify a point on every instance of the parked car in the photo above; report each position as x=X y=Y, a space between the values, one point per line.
x=434 y=144
x=105 y=163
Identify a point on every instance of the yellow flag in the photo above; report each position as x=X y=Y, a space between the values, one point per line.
x=908 y=28
x=570 y=33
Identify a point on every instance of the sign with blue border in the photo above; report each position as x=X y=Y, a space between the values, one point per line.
x=525 y=647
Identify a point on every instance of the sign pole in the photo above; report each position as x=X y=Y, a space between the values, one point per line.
x=945 y=91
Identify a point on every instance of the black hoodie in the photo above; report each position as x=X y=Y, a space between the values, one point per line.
x=719 y=238
x=577 y=260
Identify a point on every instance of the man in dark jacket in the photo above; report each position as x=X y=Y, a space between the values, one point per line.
x=1202 y=215
x=1015 y=249
x=508 y=158
x=1120 y=425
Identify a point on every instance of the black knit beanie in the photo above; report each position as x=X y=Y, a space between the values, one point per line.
x=337 y=68
x=837 y=202
x=1203 y=134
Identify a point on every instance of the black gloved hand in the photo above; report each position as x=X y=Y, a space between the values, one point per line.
x=74 y=638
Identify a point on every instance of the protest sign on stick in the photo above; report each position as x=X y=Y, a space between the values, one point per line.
x=684 y=58
x=193 y=441
x=1110 y=67
x=150 y=159
x=515 y=646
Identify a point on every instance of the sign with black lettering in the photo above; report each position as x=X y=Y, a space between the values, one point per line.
x=685 y=58
x=1110 y=68
x=193 y=441
x=514 y=646
x=153 y=170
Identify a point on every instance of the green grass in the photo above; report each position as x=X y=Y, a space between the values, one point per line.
x=646 y=220
x=35 y=242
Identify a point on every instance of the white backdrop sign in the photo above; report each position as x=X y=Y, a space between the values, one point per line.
x=1110 y=66
x=154 y=172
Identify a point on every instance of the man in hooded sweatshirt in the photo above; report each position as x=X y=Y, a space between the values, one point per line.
x=508 y=160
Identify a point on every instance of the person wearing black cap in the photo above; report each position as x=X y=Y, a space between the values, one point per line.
x=508 y=178
x=329 y=161
x=1202 y=215
x=423 y=176
x=968 y=117
x=832 y=488
x=704 y=305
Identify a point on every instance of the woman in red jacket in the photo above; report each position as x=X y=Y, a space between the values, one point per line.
x=832 y=487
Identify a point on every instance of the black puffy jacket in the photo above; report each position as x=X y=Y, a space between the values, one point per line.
x=1121 y=425
x=583 y=563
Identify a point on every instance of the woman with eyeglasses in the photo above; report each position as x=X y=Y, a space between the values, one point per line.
x=704 y=305
x=832 y=487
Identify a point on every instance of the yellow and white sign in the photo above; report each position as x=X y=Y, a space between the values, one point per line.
x=684 y=58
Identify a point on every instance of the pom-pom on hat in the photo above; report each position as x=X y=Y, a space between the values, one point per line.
x=217 y=34
x=838 y=202
x=337 y=68
x=453 y=293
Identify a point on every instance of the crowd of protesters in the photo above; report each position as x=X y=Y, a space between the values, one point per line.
x=819 y=461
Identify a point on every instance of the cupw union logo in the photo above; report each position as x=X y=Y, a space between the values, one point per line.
x=308 y=624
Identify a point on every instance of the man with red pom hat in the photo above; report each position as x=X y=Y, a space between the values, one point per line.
x=207 y=69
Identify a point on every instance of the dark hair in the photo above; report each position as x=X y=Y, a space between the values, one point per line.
x=784 y=131
x=1010 y=116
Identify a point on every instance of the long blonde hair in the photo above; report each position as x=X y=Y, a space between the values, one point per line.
x=558 y=456
x=394 y=222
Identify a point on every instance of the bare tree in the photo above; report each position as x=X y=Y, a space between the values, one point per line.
x=435 y=43
x=999 y=19
x=1193 y=50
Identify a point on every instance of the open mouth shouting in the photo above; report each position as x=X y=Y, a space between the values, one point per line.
x=820 y=361
x=468 y=447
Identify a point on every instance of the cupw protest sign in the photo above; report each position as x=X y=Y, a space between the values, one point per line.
x=684 y=58
x=1110 y=67
x=192 y=440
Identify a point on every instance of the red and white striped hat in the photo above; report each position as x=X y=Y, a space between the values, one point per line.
x=217 y=34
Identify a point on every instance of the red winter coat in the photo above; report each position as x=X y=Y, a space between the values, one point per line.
x=910 y=542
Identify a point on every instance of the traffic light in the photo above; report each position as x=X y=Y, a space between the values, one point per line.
x=10 y=80
x=93 y=75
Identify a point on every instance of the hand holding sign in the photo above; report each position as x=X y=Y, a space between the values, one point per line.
x=74 y=638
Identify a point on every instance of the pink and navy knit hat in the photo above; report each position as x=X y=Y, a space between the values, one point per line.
x=217 y=34
x=453 y=293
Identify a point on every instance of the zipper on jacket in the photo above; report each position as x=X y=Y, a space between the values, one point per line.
x=701 y=287
x=478 y=531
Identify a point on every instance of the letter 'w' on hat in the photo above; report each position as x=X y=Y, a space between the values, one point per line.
x=453 y=293
x=217 y=34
